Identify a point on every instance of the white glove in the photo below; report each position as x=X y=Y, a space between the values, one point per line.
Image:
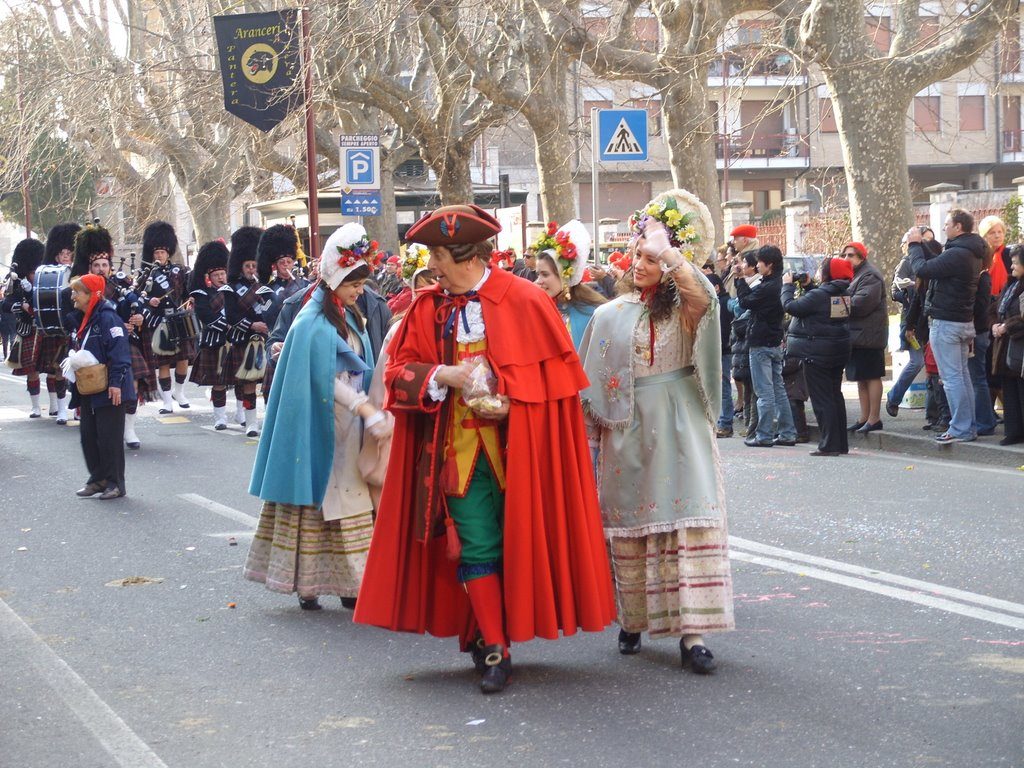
x=379 y=425
x=348 y=396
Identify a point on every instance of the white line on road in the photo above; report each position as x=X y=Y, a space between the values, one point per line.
x=881 y=589
x=220 y=509
x=871 y=573
x=120 y=741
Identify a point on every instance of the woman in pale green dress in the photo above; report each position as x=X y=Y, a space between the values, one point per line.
x=653 y=357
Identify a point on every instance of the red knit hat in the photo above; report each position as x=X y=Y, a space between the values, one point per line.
x=744 y=230
x=840 y=269
x=858 y=247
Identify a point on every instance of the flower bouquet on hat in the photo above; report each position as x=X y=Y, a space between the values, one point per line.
x=569 y=245
x=414 y=260
x=345 y=250
x=688 y=221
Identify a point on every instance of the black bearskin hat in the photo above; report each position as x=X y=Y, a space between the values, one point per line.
x=28 y=255
x=244 y=243
x=91 y=239
x=212 y=256
x=158 y=234
x=60 y=237
x=277 y=241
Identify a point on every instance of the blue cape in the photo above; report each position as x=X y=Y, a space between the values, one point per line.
x=296 y=451
x=579 y=319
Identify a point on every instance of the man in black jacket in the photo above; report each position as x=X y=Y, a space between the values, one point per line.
x=949 y=303
x=766 y=356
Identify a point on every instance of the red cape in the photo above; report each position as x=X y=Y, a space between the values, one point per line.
x=556 y=573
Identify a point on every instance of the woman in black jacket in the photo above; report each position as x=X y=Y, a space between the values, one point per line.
x=102 y=415
x=1008 y=350
x=819 y=334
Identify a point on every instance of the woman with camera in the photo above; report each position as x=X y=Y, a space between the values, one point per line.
x=819 y=334
x=102 y=333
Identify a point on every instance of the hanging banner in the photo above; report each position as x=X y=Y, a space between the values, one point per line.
x=260 y=63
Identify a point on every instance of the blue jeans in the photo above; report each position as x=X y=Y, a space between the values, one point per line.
x=725 y=416
x=907 y=376
x=984 y=413
x=772 y=402
x=950 y=343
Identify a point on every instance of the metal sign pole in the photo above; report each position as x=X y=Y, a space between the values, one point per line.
x=595 y=151
x=313 y=203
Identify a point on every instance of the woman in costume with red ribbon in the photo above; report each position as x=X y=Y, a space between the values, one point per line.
x=653 y=357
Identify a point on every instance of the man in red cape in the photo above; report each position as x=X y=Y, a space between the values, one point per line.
x=488 y=526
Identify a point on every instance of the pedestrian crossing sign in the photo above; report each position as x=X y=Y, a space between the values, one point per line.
x=622 y=135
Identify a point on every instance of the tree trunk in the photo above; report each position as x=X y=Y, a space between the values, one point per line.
x=454 y=180
x=690 y=135
x=870 y=112
x=384 y=228
x=210 y=210
x=553 y=152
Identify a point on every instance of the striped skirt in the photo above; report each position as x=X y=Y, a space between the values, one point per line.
x=296 y=550
x=673 y=584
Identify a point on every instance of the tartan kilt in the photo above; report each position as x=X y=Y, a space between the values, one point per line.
x=143 y=369
x=206 y=367
x=29 y=354
x=52 y=351
x=232 y=361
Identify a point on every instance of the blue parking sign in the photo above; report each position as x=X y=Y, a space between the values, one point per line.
x=622 y=135
x=359 y=166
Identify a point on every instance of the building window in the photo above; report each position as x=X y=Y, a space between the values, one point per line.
x=879 y=32
x=972 y=113
x=826 y=117
x=930 y=31
x=926 y=113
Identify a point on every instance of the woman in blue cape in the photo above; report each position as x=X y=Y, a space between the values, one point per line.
x=561 y=258
x=316 y=522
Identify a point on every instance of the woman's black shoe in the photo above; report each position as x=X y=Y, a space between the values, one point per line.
x=865 y=428
x=310 y=605
x=497 y=669
x=348 y=602
x=629 y=642
x=700 y=658
x=856 y=427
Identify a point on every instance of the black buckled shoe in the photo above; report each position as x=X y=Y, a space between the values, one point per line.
x=497 y=669
x=310 y=605
x=629 y=642
x=477 y=653
x=701 y=660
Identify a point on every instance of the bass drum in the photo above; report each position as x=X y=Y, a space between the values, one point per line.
x=51 y=299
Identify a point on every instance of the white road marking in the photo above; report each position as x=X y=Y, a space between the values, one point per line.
x=120 y=741
x=882 y=589
x=871 y=573
x=220 y=509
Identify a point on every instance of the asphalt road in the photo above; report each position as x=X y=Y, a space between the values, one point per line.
x=879 y=601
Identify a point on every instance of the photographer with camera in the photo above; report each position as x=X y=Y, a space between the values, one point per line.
x=819 y=335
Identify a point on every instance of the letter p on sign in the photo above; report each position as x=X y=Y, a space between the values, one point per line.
x=359 y=167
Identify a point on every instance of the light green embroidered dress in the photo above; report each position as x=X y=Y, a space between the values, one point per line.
x=659 y=476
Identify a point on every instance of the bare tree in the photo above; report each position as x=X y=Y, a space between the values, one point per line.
x=399 y=63
x=518 y=64
x=872 y=90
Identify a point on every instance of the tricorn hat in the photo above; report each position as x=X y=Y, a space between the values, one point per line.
x=454 y=225
x=212 y=256
x=90 y=240
x=28 y=255
x=276 y=242
x=158 y=235
x=60 y=236
x=244 y=243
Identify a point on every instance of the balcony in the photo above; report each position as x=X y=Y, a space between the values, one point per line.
x=763 y=150
x=758 y=70
x=1013 y=147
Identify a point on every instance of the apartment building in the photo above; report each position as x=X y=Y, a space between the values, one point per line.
x=777 y=135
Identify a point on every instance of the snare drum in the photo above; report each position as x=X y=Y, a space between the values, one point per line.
x=50 y=299
x=182 y=325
